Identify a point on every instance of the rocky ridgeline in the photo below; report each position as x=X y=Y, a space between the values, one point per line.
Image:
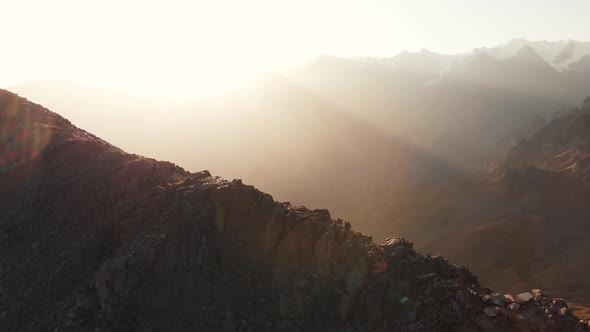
x=95 y=239
x=254 y=264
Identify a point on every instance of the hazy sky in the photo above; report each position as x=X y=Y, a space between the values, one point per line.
x=181 y=48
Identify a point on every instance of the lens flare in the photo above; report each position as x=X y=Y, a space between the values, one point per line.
x=24 y=131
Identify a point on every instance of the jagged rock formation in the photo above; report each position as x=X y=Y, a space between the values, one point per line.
x=97 y=239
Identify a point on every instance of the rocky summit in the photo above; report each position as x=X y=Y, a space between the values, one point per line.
x=96 y=239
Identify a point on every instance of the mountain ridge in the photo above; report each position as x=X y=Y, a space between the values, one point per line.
x=98 y=239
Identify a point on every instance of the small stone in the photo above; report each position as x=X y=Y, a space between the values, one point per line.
x=440 y=260
x=563 y=311
x=427 y=276
x=524 y=297
x=514 y=306
x=537 y=292
x=509 y=298
x=559 y=302
x=157 y=190
x=497 y=299
x=347 y=225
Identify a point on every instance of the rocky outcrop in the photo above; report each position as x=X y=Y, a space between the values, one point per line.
x=96 y=239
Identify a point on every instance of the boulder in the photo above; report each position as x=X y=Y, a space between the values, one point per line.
x=524 y=297
x=536 y=292
x=497 y=299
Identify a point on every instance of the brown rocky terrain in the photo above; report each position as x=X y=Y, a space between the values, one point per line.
x=520 y=222
x=97 y=239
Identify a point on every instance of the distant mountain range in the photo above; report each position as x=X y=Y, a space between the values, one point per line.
x=561 y=55
x=465 y=109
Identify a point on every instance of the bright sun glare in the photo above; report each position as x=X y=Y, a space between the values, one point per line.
x=175 y=48
x=184 y=49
